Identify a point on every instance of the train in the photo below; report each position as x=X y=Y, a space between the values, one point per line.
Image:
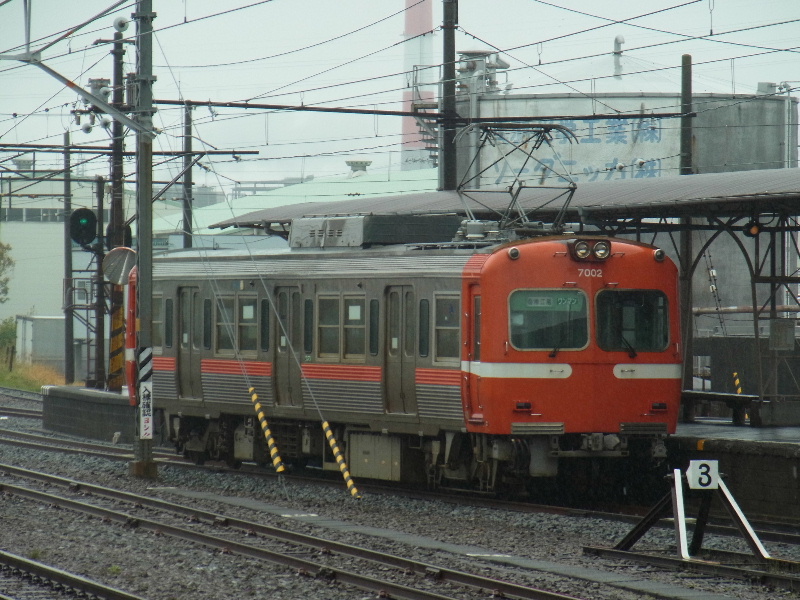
x=439 y=351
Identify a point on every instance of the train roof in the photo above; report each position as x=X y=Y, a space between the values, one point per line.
x=741 y=193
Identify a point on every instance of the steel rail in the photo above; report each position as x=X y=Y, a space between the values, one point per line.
x=81 y=585
x=502 y=588
x=26 y=413
x=761 y=575
x=41 y=442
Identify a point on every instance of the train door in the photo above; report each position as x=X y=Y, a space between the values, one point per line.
x=190 y=335
x=400 y=355
x=288 y=347
x=473 y=331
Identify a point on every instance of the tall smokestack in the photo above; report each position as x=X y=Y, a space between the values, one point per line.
x=418 y=52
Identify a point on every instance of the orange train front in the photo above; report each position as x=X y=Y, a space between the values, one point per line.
x=572 y=344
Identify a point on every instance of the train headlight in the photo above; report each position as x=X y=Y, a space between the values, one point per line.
x=602 y=250
x=582 y=249
x=659 y=255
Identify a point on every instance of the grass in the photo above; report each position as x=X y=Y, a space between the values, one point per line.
x=29 y=377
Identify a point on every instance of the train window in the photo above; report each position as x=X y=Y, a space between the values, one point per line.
x=197 y=321
x=476 y=329
x=424 y=327
x=548 y=319
x=158 y=322
x=225 y=330
x=374 y=320
x=185 y=316
x=207 y=323
x=308 y=326
x=168 y=328
x=448 y=326
x=264 y=322
x=410 y=320
x=248 y=324
x=394 y=323
x=329 y=326
x=632 y=321
x=354 y=327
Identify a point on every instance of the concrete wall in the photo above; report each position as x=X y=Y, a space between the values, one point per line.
x=88 y=413
x=764 y=478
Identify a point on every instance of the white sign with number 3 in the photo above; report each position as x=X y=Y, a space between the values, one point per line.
x=703 y=474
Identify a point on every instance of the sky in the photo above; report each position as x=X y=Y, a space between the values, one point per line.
x=350 y=53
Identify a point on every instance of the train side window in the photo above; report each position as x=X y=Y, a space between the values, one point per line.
x=394 y=323
x=248 y=324
x=328 y=327
x=225 y=330
x=424 y=327
x=308 y=326
x=354 y=327
x=197 y=321
x=158 y=322
x=207 y=323
x=476 y=329
x=168 y=322
x=448 y=327
x=374 y=321
x=410 y=320
x=264 y=325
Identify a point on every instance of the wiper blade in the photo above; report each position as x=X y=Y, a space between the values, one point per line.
x=631 y=350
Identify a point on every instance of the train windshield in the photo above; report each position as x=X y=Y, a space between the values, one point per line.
x=548 y=320
x=632 y=321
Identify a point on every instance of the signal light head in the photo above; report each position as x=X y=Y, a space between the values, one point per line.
x=83 y=226
x=752 y=228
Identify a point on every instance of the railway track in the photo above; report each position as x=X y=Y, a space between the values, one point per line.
x=298 y=544
x=768 y=531
x=33 y=579
x=770 y=572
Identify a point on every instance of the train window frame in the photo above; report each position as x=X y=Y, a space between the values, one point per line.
x=308 y=326
x=628 y=344
x=264 y=325
x=374 y=326
x=442 y=328
x=329 y=322
x=246 y=324
x=225 y=329
x=354 y=326
x=553 y=345
x=207 y=323
x=424 y=346
x=158 y=322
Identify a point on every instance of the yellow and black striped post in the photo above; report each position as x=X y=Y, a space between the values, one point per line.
x=351 y=486
x=736 y=383
x=273 y=449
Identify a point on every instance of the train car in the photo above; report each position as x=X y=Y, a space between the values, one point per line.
x=481 y=362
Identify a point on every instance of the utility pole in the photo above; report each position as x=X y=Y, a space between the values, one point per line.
x=69 y=323
x=143 y=464
x=187 y=176
x=116 y=238
x=686 y=260
x=448 y=176
x=100 y=296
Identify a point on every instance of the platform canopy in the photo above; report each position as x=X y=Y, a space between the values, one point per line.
x=741 y=194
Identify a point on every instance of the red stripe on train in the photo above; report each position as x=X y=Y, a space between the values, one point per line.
x=438 y=377
x=163 y=363
x=234 y=367
x=342 y=372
